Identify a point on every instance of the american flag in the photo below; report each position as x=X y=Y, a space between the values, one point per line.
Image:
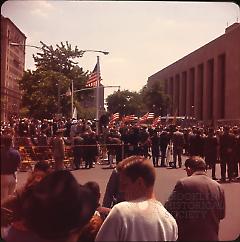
x=93 y=78
x=114 y=117
x=129 y=118
x=146 y=117
x=156 y=121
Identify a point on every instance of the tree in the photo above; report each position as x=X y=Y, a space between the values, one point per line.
x=51 y=80
x=154 y=98
x=124 y=102
x=40 y=92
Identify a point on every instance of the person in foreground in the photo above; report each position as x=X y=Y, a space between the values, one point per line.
x=198 y=203
x=141 y=217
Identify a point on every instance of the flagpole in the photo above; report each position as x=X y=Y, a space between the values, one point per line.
x=97 y=96
x=72 y=98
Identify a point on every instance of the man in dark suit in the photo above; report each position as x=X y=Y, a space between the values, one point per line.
x=227 y=144
x=197 y=203
x=178 y=144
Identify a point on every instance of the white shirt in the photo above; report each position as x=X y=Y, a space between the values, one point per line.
x=138 y=220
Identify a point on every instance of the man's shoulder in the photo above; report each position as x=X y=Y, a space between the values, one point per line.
x=198 y=179
x=14 y=151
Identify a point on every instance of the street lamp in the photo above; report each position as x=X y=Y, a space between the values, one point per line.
x=18 y=44
x=99 y=51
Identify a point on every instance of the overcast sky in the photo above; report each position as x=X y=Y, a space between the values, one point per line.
x=142 y=37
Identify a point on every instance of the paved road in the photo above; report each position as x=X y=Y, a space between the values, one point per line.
x=165 y=182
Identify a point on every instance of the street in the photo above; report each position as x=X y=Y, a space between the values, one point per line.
x=165 y=182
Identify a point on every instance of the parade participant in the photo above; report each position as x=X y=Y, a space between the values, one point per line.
x=196 y=143
x=141 y=217
x=164 y=142
x=210 y=151
x=77 y=150
x=227 y=143
x=144 y=141
x=155 y=140
x=58 y=149
x=10 y=160
x=90 y=150
x=178 y=144
x=198 y=203
x=236 y=151
x=133 y=140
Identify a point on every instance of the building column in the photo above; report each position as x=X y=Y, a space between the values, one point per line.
x=218 y=90
x=176 y=95
x=190 y=92
x=208 y=91
x=198 y=97
x=170 y=93
x=183 y=94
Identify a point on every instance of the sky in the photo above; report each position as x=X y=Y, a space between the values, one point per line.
x=142 y=37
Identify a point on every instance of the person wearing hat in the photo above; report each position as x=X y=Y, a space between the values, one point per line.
x=197 y=203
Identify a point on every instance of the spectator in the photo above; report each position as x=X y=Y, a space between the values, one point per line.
x=198 y=203
x=11 y=210
x=55 y=209
x=89 y=231
x=10 y=160
x=112 y=194
x=141 y=217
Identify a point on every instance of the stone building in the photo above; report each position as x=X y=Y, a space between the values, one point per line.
x=12 y=68
x=205 y=84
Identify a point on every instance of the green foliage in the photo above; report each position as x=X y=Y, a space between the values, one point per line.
x=125 y=102
x=40 y=92
x=148 y=99
x=59 y=59
x=154 y=99
x=55 y=71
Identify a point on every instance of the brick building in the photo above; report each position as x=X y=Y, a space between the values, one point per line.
x=205 y=84
x=12 y=68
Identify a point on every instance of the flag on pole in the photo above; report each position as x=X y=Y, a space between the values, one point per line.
x=93 y=78
x=145 y=117
x=114 y=117
x=74 y=113
x=129 y=118
x=156 y=121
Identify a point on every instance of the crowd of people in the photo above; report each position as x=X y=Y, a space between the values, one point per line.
x=53 y=206
x=166 y=144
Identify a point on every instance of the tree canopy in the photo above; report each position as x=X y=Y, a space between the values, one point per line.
x=154 y=99
x=55 y=69
x=124 y=102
